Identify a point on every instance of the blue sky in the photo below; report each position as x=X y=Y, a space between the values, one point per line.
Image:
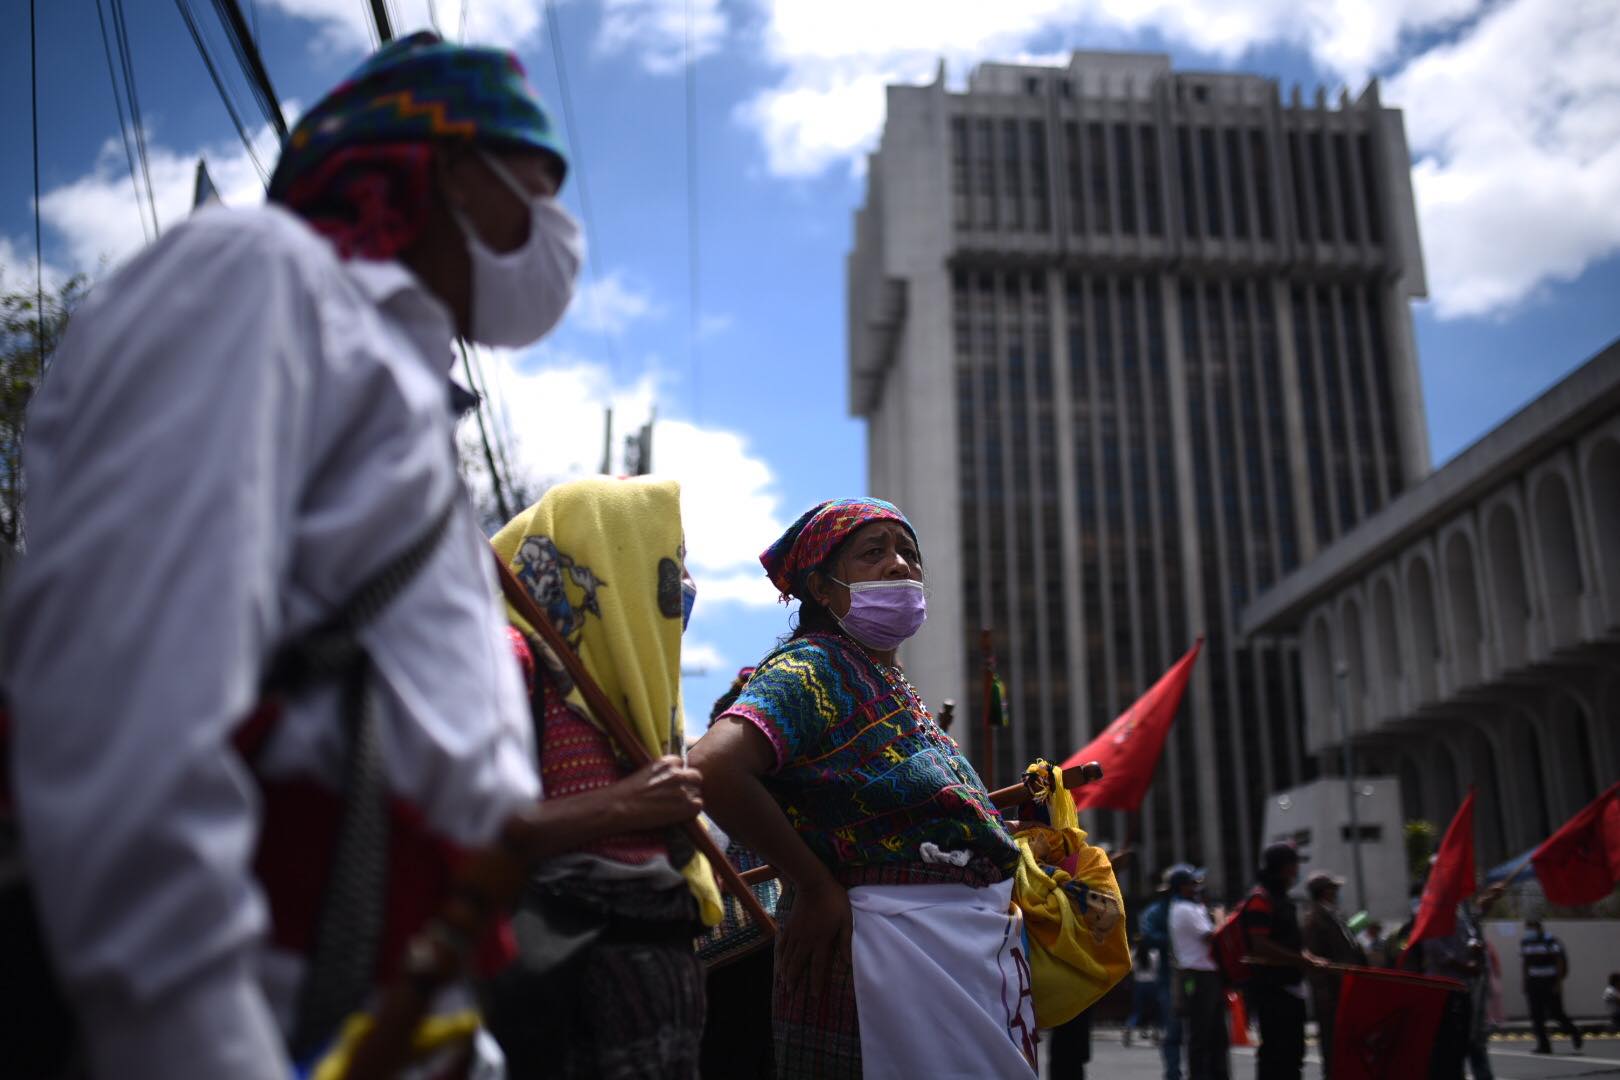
x=1513 y=111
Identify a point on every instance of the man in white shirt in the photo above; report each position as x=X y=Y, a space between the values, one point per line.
x=243 y=425
x=1200 y=994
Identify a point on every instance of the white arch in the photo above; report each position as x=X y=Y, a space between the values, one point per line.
x=1428 y=648
x=1601 y=462
x=1558 y=544
x=1388 y=641
x=1509 y=582
x=1466 y=617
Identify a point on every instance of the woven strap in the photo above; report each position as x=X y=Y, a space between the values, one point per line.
x=343 y=957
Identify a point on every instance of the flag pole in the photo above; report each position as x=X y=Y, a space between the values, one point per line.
x=989 y=761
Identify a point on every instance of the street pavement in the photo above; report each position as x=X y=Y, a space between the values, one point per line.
x=1511 y=1059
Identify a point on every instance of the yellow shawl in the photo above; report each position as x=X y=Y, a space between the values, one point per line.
x=603 y=558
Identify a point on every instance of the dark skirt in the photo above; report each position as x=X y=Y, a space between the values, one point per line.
x=600 y=992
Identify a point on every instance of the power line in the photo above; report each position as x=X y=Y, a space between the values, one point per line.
x=245 y=44
x=577 y=152
x=184 y=7
x=483 y=433
x=39 y=241
x=121 y=32
x=692 y=257
x=123 y=125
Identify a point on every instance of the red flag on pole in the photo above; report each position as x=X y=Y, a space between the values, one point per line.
x=1386 y=1024
x=1451 y=878
x=1129 y=748
x=1580 y=863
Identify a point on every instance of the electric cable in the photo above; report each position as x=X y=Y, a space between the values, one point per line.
x=121 y=34
x=245 y=45
x=184 y=7
x=573 y=134
x=693 y=262
x=123 y=125
x=39 y=236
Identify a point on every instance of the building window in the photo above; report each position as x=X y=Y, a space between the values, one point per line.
x=1319 y=187
x=959 y=173
x=1127 y=179
x=1236 y=184
x=984 y=191
x=1097 y=151
x=1189 y=191
x=1012 y=178
x=1039 y=181
x=1260 y=163
x=1211 y=177
x=1347 y=191
x=1296 y=169
x=1152 y=191
x=1369 y=188
x=1076 y=176
x=1032 y=86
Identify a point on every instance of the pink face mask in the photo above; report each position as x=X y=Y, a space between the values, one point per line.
x=882 y=614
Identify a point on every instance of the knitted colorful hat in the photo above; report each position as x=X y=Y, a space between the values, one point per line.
x=809 y=541
x=419 y=89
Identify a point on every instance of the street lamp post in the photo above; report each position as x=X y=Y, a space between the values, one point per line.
x=1341 y=677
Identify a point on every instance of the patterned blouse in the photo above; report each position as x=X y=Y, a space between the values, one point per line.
x=866 y=777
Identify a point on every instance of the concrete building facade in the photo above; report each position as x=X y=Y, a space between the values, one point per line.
x=1476 y=623
x=1134 y=344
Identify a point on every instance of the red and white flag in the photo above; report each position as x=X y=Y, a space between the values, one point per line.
x=1580 y=863
x=1451 y=878
x=1129 y=748
x=1386 y=1024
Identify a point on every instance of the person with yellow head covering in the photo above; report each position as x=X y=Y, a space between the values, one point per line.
x=607 y=983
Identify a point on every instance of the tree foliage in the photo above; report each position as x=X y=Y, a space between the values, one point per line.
x=27 y=342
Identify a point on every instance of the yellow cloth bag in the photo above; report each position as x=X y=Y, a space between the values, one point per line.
x=1075 y=917
x=603 y=557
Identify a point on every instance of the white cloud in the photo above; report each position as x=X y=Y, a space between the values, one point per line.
x=97 y=215
x=608 y=304
x=1517 y=127
x=345 y=25
x=661 y=33
x=714 y=325
x=555 y=403
x=836 y=56
x=701 y=658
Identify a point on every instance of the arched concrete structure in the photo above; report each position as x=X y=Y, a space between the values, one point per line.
x=1510 y=584
x=1353 y=652
x=1558 y=543
x=1487 y=604
x=1602 y=491
x=1466 y=618
x=1425 y=613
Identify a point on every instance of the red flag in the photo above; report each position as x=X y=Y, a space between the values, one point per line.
x=1580 y=862
x=1128 y=749
x=1386 y=1024
x=1451 y=878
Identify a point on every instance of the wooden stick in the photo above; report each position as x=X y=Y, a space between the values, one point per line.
x=1367 y=973
x=1013 y=794
x=1003 y=799
x=620 y=732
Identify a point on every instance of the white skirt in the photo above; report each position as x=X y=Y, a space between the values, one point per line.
x=942 y=984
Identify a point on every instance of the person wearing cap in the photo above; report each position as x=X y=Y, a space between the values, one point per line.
x=893 y=956
x=1154 y=926
x=1545 y=968
x=1276 y=991
x=244 y=426
x=1200 y=993
x=1326 y=935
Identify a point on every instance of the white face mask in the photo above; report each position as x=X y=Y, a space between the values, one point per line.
x=519 y=296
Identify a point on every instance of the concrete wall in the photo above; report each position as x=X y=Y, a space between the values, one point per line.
x=1594 y=951
x=1314 y=815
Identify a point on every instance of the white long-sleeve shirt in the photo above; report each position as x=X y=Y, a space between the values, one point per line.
x=1190 y=930
x=237 y=431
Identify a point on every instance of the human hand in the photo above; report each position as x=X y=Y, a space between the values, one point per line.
x=662 y=792
x=1314 y=961
x=816 y=937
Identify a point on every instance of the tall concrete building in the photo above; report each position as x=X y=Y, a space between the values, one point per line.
x=1133 y=344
